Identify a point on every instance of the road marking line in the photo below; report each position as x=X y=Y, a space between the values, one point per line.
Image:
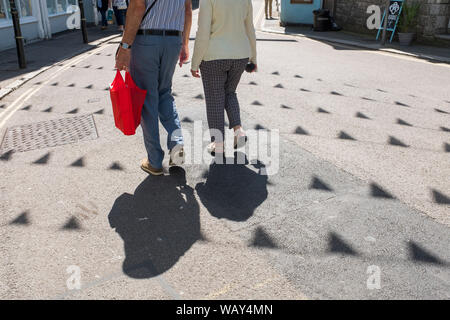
x=9 y=112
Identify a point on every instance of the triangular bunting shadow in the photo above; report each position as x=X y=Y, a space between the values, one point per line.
x=320 y=110
x=446 y=147
x=439 y=197
x=6 y=156
x=71 y=224
x=417 y=253
x=345 y=136
x=115 y=166
x=337 y=245
x=43 y=160
x=261 y=239
x=318 y=184
x=403 y=123
x=22 y=219
x=401 y=104
x=300 y=130
x=361 y=115
x=440 y=111
x=78 y=163
x=395 y=142
x=73 y=111
x=377 y=192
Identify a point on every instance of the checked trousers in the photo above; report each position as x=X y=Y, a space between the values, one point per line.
x=220 y=80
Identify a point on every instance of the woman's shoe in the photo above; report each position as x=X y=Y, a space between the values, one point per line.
x=240 y=138
x=214 y=147
x=177 y=156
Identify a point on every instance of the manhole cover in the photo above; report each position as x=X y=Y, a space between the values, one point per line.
x=49 y=133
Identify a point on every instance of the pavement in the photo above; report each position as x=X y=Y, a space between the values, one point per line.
x=43 y=55
x=358 y=208
x=437 y=53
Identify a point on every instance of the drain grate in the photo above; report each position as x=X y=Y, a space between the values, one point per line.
x=49 y=134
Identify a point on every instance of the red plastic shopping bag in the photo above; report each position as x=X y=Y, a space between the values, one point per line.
x=127 y=102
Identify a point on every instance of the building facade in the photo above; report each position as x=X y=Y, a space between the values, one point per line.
x=39 y=19
x=352 y=15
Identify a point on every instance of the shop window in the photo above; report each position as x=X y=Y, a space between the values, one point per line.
x=3 y=14
x=59 y=6
x=25 y=8
x=5 y=9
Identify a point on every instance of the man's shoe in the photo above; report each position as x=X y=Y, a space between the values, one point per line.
x=177 y=156
x=147 y=167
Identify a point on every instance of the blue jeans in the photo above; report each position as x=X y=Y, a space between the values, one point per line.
x=120 y=16
x=103 y=14
x=153 y=62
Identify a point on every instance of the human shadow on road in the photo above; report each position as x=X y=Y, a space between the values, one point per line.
x=158 y=224
x=233 y=191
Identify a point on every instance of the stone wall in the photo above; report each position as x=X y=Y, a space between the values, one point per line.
x=433 y=18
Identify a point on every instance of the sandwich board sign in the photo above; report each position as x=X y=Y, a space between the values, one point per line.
x=394 y=12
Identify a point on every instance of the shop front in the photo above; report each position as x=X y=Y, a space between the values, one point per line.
x=39 y=19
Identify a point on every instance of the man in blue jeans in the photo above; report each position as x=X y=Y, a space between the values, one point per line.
x=149 y=50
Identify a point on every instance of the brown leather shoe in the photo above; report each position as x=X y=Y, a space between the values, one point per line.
x=146 y=166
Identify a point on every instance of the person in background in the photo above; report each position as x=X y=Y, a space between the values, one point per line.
x=102 y=7
x=120 y=11
x=225 y=43
x=268 y=9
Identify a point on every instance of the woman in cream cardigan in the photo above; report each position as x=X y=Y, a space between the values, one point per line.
x=224 y=44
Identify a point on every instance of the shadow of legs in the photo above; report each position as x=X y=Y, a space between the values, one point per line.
x=158 y=224
x=233 y=191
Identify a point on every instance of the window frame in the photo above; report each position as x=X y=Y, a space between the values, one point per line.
x=7 y=22
x=51 y=15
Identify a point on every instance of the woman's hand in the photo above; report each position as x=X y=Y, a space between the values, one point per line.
x=195 y=74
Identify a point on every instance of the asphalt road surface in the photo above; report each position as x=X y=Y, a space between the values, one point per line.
x=357 y=207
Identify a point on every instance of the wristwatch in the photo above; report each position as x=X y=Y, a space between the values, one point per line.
x=124 y=45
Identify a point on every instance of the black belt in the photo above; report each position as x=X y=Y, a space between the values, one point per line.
x=156 y=32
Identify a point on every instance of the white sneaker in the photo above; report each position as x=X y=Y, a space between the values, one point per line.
x=177 y=155
x=214 y=147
